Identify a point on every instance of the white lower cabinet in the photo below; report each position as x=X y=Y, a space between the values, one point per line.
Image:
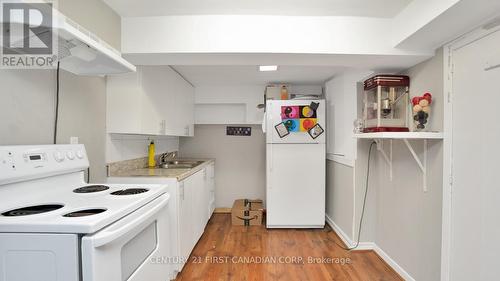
x=196 y=202
x=185 y=212
x=210 y=184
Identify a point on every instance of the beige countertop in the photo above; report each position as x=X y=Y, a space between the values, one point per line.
x=179 y=174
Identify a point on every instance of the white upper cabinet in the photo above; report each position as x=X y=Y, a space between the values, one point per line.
x=155 y=100
x=184 y=109
x=124 y=103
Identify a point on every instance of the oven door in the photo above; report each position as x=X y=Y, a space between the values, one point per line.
x=135 y=248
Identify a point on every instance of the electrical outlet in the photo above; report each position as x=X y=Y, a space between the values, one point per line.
x=73 y=140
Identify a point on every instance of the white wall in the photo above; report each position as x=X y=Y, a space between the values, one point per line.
x=240 y=165
x=408 y=224
x=125 y=147
x=27 y=106
x=342 y=95
x=428 y=24
x=259 y=34
x=417 y=30
x=96 y=16
x=27 y=102
x=236 y=103
x=27 y=110
x=340 y=196
x=343 y=171
x=416 y=15
x=226 y=104
x=399 y=218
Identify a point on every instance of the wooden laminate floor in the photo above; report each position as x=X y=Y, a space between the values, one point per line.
x=227 y=252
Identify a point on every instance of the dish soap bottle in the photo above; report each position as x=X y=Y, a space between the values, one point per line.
x=151 y=155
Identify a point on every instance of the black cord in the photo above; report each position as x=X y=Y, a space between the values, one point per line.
x=364 y=202
x=88 y=175
x=57 y=103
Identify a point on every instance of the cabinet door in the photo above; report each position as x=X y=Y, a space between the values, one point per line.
x=210 y=187
x=184 y=93
x=185 y=219
x=124 y=104
x=206 y=197
x=172 y=100
x=158 y=85
x=199 y=212
x=155 y=100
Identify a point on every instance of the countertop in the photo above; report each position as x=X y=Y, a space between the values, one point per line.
x=179 y=174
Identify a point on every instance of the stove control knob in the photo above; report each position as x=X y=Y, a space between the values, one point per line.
x=79 y=154
x=70 y=155
x=58 y=156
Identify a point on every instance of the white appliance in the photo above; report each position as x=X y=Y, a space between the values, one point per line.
x=188 y=215
x=54 y=226
x=296 y=163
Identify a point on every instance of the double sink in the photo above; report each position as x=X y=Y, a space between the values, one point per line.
x=180 y=164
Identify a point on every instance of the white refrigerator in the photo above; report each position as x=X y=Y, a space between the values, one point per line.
x=295 y=163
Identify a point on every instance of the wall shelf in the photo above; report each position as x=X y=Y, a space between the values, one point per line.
x=405 y=137
x=400 y=135
x=220 y=113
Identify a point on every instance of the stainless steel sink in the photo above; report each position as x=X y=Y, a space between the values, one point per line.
x=180 y=164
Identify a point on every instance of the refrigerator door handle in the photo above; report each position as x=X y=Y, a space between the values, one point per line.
x=264 y=123
x=270 y=163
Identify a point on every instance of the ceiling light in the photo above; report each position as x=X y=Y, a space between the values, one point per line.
x=268 y=68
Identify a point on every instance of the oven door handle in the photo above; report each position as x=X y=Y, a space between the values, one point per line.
x=124 y=226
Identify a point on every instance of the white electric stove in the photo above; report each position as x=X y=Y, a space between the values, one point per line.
x=54 y=226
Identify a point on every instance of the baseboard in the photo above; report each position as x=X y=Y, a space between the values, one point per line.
x=340 y=233
x=364 y=246
x=340 y=159
x=222 y=211
x=396 y=267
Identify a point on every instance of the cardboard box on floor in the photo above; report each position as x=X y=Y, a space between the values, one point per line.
x=247 y=212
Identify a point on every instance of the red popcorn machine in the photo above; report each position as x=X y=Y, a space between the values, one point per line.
x=386 y=104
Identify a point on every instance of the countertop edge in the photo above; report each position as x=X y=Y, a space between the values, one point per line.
x=130 y=173
x=195 y=169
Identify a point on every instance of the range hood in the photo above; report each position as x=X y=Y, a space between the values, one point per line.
x=82 y=52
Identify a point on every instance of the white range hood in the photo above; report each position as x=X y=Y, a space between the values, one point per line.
x=82 y=52
x=88 y=55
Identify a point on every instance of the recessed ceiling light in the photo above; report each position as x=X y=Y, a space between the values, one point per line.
x=268 y=68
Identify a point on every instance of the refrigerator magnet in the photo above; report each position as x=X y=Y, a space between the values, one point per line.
x=314 y=105
x=282 y=130
x=316 y=131
x=292 y=125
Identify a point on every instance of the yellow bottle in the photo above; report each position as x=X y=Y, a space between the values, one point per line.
x=151 y=155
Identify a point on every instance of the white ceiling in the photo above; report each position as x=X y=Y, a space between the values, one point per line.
x=249 y=75
x=365 y=8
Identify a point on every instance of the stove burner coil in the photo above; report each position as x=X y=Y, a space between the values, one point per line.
x=84 y=213
x=130 y=191
x=91 y=189
x=32 y=210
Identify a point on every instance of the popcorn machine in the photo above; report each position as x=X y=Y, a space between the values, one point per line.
x=386 y=102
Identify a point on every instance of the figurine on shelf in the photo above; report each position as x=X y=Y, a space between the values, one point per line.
x=421 y=111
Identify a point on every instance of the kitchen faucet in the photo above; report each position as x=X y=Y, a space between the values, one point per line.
x=167 y=156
